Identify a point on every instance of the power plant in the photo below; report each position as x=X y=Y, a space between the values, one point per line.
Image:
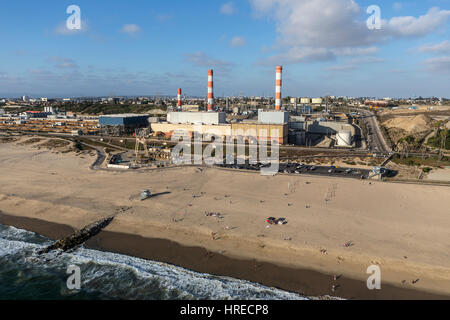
x=272 y=125
x=251 y=119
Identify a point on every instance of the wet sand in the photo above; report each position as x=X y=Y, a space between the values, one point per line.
x=306 y=282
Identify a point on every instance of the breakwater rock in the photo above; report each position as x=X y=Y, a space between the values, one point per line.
x=79 y=237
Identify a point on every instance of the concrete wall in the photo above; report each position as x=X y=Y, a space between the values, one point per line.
x=324 y=127
x=197 y=117
x=190 y=108
x=169 y=128
x=281 y=131
x=273 y=117
x=235 y=130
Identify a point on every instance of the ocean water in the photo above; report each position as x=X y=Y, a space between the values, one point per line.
x=104 y=275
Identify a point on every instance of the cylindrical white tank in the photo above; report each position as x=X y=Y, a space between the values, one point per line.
x=344 y=139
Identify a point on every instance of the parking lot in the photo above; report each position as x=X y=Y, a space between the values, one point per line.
x=299 y=168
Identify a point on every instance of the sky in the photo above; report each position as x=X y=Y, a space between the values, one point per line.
x=144 y=47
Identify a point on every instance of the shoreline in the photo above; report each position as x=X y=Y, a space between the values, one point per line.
x=401 y=228
x=307 y=282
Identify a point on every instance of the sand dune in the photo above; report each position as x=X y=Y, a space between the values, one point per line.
x=413 y=124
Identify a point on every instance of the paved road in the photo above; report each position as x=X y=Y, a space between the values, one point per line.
x=376 y=141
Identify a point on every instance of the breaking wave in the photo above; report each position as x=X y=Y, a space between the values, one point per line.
x=105 y=275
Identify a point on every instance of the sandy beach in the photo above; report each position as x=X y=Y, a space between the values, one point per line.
x=401 y=228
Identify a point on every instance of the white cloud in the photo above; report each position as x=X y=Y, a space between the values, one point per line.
x=238 y=42
x=354 y=63
x=228 y=8
x=201 y=59
x=444 y=46
x=164 y=17
x=62 y=29
x=323 y=29
x=63 y=63
x=397 y=6
x=352 y=51
x=299 y=55
x=366 y=60
x=316 y=23
x=438 y=65
x=415 y=27
x=340 y=68
x=131 y=29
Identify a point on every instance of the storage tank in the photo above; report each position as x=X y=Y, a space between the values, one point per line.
x=344 y=139
x=305 y=100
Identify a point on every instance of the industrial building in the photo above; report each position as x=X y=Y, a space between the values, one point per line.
x=377 y=103
x=271 y=125
x=241 y=132
x=197 y=117
x=305 y=100
x=122 y=123
x=273 y=117
x=343 y=133
x=34 y=115
x=190 y=108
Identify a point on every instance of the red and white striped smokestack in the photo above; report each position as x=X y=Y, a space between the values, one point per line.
x=210 y=90
x=179 y=98
x=278 y=88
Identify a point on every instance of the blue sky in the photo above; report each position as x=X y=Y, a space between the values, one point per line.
x=143 y=47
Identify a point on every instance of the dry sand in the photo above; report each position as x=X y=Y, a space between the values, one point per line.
x=439 y=175
x=413 y=124
x=402 y=228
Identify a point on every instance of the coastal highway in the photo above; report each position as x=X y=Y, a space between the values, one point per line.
x=376 y=141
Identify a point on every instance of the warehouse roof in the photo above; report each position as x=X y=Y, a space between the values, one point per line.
x=125 y=115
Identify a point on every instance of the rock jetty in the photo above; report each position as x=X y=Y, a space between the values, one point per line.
x=79 y=237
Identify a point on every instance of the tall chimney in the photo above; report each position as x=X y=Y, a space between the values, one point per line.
x=210 y=90
x=179 y=98
x=278 y=88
